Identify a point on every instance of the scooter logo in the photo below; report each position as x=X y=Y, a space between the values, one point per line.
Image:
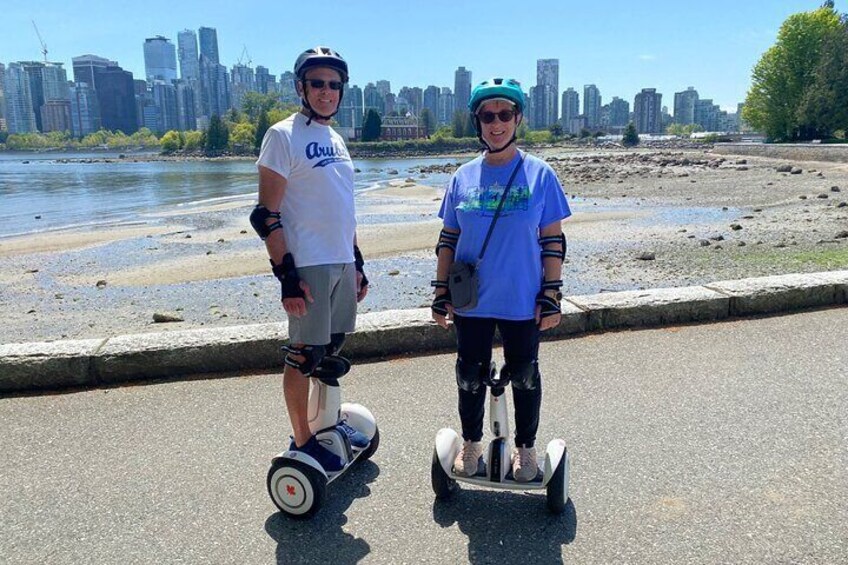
x=330 y=153
x=290 y=490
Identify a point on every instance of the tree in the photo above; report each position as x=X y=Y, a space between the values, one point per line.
x=262 y=126
x=556 y=130
x=427 y=121
x=371 y=125
x=470 y=130
x=170 y=142
x=824 y=107
x=242 y=138
x=217 y=135
x=630 y=137
x=786 y=72
x=193 y=140
x=253 y=104
x=458 y=124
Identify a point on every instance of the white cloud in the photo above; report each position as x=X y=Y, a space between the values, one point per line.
x=647 y=57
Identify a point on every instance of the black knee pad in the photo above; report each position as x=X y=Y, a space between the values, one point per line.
x=336 y=343
x=312 y=356
x=469 y=376
x=524 y=376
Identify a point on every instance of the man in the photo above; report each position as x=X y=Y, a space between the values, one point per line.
x=306 y=217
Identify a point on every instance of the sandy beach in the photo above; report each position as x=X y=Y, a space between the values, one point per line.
x=642 y=219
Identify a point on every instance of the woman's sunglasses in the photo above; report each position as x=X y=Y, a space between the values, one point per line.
x=318 y=84
x=488 y=117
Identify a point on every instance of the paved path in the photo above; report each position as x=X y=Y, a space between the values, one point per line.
x=719 y=443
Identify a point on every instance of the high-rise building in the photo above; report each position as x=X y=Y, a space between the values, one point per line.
x=186 y=105
x=570 y=107
x=684 y=106
x=20 y=117
x=412 y=98
x=707 y=114
x=188 y=55
x=547 y=92
x=446 y=106
x=592 y=106
x=384 y=87
x=85 y=110
x=213 y=76
x=2 y=97
x=242 y=81
x=647 y=111
x=48 y=82
x=532 y=100
x=462 y=88
x=619 y=113
x=115 y=91
x=265 y=82
x=430 y=100
x=373 y=100
x=288 y=92
x=56 y=116
x=351 y=110
x=160 y=59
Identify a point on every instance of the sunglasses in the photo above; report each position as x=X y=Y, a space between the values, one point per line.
x=317 y=83
x=504 y=115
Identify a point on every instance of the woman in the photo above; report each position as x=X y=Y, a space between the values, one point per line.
x=520 y=272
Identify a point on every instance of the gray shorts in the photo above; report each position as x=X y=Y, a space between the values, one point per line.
x=334 y=310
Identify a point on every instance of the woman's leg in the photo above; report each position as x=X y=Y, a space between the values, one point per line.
x=474 y=355
x=521 y=352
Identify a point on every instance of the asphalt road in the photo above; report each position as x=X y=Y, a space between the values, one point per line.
x=720 y=443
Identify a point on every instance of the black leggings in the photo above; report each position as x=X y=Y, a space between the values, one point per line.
x=474 y=337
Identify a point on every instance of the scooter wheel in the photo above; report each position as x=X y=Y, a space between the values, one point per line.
x=557 y=496
x=297 y=489
x=443 y=485
x=372 y=447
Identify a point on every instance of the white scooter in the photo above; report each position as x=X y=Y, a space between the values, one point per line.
x=494 y=469
x=296 y=482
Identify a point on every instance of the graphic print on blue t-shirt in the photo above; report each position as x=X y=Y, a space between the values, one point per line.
x=485 y=200
x=331 y=154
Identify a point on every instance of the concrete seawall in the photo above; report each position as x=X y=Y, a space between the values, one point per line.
x=122 y=359
x=790 y=151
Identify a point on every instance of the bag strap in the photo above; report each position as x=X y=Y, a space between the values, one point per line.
x=500 y=206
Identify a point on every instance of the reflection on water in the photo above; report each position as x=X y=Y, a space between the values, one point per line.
x=47 y=191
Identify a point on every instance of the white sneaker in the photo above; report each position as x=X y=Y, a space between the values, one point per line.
x=467 y=459
x=524 y=466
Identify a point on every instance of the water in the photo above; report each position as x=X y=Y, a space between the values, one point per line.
x=78 y=194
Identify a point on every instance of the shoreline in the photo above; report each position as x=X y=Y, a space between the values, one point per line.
x=642 y=219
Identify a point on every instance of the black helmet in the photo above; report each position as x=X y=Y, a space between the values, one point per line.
x=320 y=57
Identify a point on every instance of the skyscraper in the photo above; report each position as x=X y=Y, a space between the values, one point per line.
x=160 y=59
x=592 y=105
x=462 y=88
x=647 y=111
x=619 y=113
x=2 y=97
x=351 y=110
x=85 y=110
x=115 y=91
x=547 y=92
x=684 y=106
x=188 y=55
x=446 y=106
x=213 y=76
x=430 y=100
x=20 y=117
x=570 y=107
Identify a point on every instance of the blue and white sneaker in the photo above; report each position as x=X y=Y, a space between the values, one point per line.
x=357 y=439
x=328 y=460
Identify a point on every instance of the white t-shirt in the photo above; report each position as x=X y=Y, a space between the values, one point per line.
x=317 y=211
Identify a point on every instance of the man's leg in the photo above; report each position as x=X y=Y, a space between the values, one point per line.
x=521 y=351
x=296 y=393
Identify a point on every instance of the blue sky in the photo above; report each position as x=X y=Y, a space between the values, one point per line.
x=621 y=46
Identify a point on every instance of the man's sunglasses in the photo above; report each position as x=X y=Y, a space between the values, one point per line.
x=317 y=83
x=488 y=117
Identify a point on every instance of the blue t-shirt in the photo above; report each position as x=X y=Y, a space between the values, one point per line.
x=510 y=272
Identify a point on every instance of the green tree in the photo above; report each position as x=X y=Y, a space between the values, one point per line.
x=522 y=131
x=470 y=130
x=262 y=126
x=371 y=125
x=824 y=107
x=427 y=121
x=556 y=130
x=217 y=136
x=193 y=140
x=786 y=72
x=253 y=104
x=458 y=124
x=170 y=142
x=242 y=137
x=630 y=137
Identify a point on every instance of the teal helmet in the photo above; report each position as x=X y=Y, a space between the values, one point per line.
x=497 y=88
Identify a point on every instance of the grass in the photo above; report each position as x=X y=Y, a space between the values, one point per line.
x=824 y=259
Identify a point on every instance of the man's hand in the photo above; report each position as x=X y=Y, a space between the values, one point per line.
x=297 y=306
x=442 y=309
x=361 y=285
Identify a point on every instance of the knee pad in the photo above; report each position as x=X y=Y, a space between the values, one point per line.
x=312 y=356
x=336 y=343
x=524 y=376
x=469 y=376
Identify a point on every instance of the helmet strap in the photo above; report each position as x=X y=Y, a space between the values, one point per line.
x=312 y=113
x=486 y=145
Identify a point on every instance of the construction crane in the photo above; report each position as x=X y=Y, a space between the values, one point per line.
x=244 y=54
x=43 y=45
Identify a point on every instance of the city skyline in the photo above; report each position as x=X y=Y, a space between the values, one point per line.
x=711 y=47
